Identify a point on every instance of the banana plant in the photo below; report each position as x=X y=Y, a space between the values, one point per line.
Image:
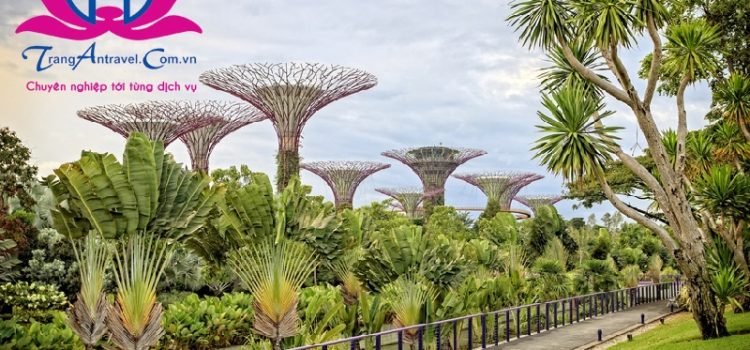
x=252 y=214
x=134 y=321
x=87 y=315
x=147 y=192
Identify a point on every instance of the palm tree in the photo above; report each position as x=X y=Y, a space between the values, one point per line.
x=87 y=315
x=732 y=97
x=274 y=274
x=655 y=266
x=134 y=321
x=630 y=276
x=550 y=281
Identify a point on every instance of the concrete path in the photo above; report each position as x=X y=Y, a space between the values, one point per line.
x=585 y=332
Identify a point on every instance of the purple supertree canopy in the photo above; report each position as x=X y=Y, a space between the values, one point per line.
x=146 y=118
x=536 y=201
x=500 y=186
x=289 y=93
x=200 y=142
x=408 y=199
x=343 y=177
x=434 y=164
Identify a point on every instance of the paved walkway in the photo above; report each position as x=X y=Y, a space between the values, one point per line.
x=579 y=334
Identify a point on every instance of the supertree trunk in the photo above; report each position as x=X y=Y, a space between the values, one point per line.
x=287 y=161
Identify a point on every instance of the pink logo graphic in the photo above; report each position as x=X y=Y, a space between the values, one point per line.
x=69 y=22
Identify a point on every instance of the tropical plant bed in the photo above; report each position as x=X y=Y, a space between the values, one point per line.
x=680 y=332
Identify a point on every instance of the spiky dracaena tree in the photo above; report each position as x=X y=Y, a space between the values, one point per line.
x=87 y=315
x=274 y=274
x=134 y=321
x=610 y=26
x=732 y=97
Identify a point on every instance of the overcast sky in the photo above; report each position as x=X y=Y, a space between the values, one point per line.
x=449 y=71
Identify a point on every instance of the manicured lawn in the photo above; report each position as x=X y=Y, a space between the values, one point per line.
x=681 y=333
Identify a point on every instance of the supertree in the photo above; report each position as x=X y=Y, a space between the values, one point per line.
x=408 y=199
x=144 y=117
x=227 y=117
x=289 y=94
x=536 y=201
x=500 y=187
x=343 y=177
x=433 y=165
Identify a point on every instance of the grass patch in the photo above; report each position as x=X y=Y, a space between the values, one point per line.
x=681 y=333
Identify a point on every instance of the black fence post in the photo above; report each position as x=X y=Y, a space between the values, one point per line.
x=546 y=316
x=570 y=310
x=470 y=333
x=483 y=318
x=497 y=328
x=528 y=320
x=400 y=340
x=455 y=335
x=420 y=338
x=598 y=335
x=555 y=307
x=507 y=325
x=518 y=322
x=377 y=342
x=437 y=337
x=563 y=312
x=538 y=319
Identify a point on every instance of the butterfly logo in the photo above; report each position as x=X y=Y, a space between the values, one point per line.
x=68 y=21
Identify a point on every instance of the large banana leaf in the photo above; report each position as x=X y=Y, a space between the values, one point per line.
x=140 y=168
x=148 y=192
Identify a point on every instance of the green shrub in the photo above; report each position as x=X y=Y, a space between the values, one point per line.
x=39 y=336
x=31 y=301
x=208 y=323
x=52 y=262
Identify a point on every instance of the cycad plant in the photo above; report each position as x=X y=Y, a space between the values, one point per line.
x=87 y=315
x=134 y=321
x=274 y=274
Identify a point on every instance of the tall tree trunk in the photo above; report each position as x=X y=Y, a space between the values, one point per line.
x=706 y=311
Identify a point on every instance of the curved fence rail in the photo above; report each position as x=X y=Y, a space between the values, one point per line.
x=505 y=325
